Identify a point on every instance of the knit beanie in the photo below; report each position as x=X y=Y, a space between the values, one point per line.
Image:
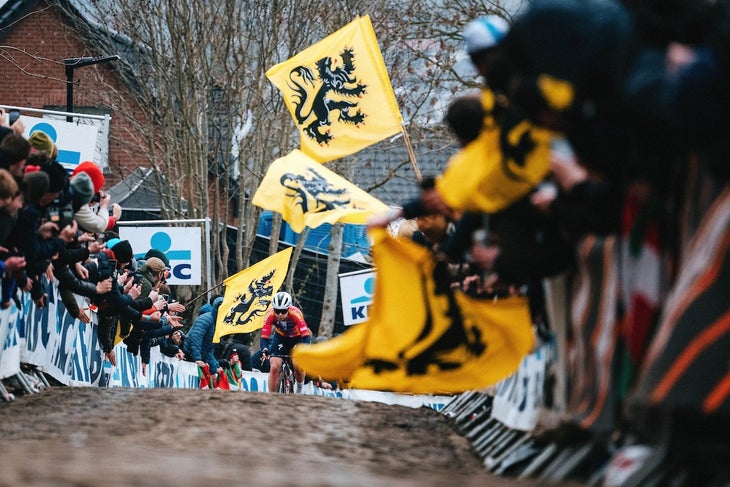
x=94 y=173
x=112 y=242
x=123 y=251
x=159 y=254
x=40 y=141
x=82 y=190
x=35 y=185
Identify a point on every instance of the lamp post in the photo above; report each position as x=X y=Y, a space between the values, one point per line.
x=79 y=62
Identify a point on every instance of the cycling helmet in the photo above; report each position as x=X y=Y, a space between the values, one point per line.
x=282 y=300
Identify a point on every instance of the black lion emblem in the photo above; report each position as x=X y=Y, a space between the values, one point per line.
x=259 y=292
x=338 y=81
x=314 y=193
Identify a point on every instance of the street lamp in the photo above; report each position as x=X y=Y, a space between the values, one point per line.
x=79 y=62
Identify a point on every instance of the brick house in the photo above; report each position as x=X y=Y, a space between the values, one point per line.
x=35 y=38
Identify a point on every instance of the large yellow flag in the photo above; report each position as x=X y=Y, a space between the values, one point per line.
x=339 y=93
x=498 y=168
x=307 y=194
x=249 y=293
x=423 y=337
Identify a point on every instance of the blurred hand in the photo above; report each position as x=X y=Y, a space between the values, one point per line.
x=68 y=234
x=116 y=211
x=83 y=316
x=41 y=302
x=176 y=307
x=121 y=278
x=384 y=219
x=47 y=229
x=85 y=237
x=81 y=271
x=14 y=264
x=543 y=197
x=104 y=199
x=111 y=357
x=103 y=287
x=566 y=170
x=175 y=321
x=18 y=127
x=153 y=295
x=135 y=291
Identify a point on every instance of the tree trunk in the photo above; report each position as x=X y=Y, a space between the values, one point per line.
x=329 y=303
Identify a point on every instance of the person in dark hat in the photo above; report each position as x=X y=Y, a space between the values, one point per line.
x=159 y=254
x=123 y=253
x=82 y=191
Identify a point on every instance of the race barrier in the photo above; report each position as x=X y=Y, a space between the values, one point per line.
x=51 y=341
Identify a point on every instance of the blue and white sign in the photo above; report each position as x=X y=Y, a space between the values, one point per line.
x=75 y=142
x=181 y=245
x=356 y=291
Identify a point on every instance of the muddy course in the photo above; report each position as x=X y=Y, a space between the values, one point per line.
x=159 y=437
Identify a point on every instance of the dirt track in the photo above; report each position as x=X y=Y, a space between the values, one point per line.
x=159 y=437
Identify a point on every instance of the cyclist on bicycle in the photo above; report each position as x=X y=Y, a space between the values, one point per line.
x=284 y=327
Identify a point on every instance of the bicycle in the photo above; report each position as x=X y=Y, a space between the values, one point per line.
x=285 y=385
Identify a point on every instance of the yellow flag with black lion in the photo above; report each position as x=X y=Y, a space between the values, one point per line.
x=339 y=93
x=422 y=336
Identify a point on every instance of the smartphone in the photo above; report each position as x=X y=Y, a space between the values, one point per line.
x=13 y=116
x=137 y=279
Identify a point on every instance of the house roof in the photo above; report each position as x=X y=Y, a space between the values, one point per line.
x=138 y=191
x=386 y=172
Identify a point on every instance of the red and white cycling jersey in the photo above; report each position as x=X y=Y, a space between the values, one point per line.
x=292 y=326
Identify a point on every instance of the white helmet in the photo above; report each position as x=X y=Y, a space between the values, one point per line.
x=282 y=300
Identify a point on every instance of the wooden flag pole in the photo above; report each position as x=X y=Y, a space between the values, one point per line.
x=411 y=154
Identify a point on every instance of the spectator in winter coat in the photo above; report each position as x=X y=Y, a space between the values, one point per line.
x=198 y=346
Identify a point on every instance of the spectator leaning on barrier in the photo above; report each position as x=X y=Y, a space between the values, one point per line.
x=171 y=345
x=198 y=346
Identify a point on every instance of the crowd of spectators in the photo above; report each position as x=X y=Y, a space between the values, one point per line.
x=58 y=225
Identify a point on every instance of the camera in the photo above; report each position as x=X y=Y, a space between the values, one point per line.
x=60 y=214
x=107 y=269
x=96 y=198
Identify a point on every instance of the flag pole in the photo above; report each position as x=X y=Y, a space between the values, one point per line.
x=411 y=154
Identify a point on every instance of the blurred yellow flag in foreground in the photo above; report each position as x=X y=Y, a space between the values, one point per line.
x=422 y=337
x=503 y=164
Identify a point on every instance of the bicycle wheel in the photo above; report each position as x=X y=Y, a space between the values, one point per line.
x=284 y=385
